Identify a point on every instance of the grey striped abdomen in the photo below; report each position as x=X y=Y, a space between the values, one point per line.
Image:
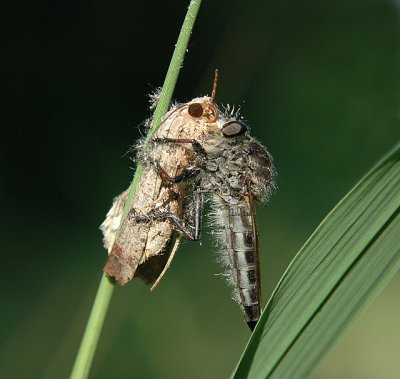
x=241 y=247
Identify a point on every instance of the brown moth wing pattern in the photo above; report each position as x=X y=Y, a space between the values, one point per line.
x=111 y=224
x=141 y=247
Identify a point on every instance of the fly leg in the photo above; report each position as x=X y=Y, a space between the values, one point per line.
x=170 y=258
x=193 y=217
x=185 y=175
x=197 y=148
x=194 y=212
x=179 y=224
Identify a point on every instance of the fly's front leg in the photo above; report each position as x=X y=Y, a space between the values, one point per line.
x=185 y=175
x=198 y=213
x=197 y=148
x=192 y=214
x=190 y=217
x=179 y=224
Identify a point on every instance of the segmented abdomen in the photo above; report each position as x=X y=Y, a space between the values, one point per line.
x=238 y=239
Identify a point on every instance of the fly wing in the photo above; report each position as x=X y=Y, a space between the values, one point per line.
x=261 y=172
x=254 y=310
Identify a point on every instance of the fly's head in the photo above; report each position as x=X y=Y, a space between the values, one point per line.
x=225 y=136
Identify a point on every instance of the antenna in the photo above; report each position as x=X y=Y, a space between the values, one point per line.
x=214 y=90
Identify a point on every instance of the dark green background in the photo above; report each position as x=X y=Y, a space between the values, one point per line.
x=317 y=81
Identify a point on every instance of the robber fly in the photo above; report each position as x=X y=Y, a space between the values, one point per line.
x=216 y=160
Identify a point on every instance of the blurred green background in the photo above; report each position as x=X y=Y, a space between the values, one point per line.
x=319 y=83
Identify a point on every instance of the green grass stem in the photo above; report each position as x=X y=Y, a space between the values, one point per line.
x=91 y=336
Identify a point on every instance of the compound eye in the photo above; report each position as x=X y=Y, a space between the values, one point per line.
x=234 y=129
x=195 y=110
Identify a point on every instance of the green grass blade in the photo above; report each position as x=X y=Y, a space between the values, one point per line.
x=346 y=262
x=92 y=332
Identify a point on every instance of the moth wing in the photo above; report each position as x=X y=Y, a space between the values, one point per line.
x=110 y=225
x=150 y=270
x=126 y=254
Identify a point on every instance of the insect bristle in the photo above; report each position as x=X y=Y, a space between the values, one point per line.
x=230 y=112
x=154 y=97
x=138 y=155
